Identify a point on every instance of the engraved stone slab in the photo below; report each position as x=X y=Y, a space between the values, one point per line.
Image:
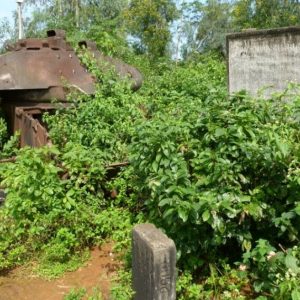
x=154 y=264
x=263 y=58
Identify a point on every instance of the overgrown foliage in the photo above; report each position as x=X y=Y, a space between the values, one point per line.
x=158 y=28
x=149 y=22
x=218 y=173
x=3 y=132
x=55 y=206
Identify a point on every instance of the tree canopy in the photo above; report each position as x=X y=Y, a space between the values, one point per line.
x=157 y=28
x=149 y=21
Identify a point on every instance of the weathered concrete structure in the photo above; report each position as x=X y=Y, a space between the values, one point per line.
x=261 y=58
x=154 y=264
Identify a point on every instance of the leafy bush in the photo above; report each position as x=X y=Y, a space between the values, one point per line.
x=3 y=132
x=274 y=271
x=219 y=174
x=55 y=205
x=104 y=122
x=8 y=146
x=228 y=284
x=222 y=170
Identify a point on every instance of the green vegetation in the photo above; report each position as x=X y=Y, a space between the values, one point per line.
x=55 y=206
x=3 y=132
x=81 y=294
x=149 y=21
x=218 y=173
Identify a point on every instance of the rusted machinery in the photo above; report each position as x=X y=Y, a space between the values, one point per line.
x=35 y=71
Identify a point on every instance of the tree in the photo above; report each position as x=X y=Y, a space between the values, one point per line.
x=213 y=19
x=266 y=13
x=206 y=25
x=98 y=20
x=215 y=23
x=6 y=32
x=56 y=10
x=149 y=22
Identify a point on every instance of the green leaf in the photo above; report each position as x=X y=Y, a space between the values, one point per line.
x=70 y=193
x=297 y=209
x=183 y=214
x=206 y=216
x=68 y=205
x=291 y=262
x=246 y=245
x=164 y=202
x=220 y=131
x=166 y=152
x=295 y=294
x=168 y=212
x=282 y=146
x=155 y=166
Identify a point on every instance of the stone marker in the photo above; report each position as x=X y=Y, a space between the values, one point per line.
x=154 y=264
x=263 y=58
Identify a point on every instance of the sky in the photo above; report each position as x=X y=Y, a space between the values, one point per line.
x=7 y=7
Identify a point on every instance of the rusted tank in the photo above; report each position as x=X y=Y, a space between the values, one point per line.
x=35 y=71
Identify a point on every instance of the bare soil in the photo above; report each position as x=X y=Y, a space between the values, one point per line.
x=98 y=272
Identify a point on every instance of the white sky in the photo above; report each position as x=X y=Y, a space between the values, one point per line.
x=7 y=7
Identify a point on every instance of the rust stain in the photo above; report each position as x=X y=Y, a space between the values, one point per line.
x=35 y=71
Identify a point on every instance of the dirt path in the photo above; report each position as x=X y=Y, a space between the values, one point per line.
x=97 y=273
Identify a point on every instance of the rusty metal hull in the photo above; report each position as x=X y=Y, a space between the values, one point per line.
x=43 y=69
x=35 y=71
x=39 y=70
x=26 y=118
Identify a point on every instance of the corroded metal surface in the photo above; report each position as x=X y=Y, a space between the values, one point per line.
x=35 y=71
x=41 y=69
x=26 y=117
x=28 y=121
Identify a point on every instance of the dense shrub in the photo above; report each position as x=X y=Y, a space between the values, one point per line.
x=8 y=146
x=58 y=198
x=55 y=205
x=221 y=170
x=218 y=173
x=3 y=132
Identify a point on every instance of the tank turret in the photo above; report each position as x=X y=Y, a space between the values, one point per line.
x=39 y=69
x=34 y=71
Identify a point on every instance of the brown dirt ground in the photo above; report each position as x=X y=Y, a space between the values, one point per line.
x=98 y=272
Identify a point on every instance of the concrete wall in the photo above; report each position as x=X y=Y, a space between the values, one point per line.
x=263 y=58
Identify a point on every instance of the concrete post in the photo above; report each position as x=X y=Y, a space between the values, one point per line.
x=154 y=264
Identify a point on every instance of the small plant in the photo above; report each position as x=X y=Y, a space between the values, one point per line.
x=3 y=132
x=81 y=293
x=75 y=294
x=275 y=272
x=221 y=283
x=8 y=145
x=122 y=287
